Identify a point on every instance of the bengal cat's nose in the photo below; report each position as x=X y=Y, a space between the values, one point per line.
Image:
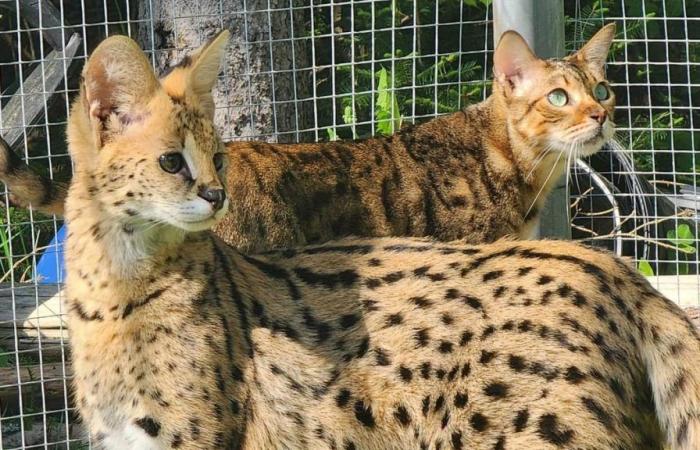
x=599 y=116
x=214 y=196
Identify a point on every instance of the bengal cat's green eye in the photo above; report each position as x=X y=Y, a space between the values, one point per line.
x=171 y=162
x=601 y=92
x=558 y=97
x=218 y=161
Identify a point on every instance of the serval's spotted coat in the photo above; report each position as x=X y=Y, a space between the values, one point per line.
x=179 y=341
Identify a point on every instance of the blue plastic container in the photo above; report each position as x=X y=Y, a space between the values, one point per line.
x=51 y=266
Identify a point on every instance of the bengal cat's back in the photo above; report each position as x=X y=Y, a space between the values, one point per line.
x=444 y=179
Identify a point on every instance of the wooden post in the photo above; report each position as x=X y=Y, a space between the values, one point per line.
x=541 y=23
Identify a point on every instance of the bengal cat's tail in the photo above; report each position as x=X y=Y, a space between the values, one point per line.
x=27 y=187
x=670 y=348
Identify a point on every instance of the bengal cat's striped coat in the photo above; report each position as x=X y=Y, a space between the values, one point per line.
x=179 y=341
x=478 y=174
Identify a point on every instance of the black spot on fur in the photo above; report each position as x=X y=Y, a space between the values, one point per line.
x=439 y=403
x=406 y=374
x=597 y=410
x=488 y=331
x=520 y=421
x=382 y=357
x=517 y=363
x=486 y=356
x=496 y=390
x=426 y=405
x=445 y=347
x=394 y=319
x=149 y=425
x=363 y=413
x=524 y=271
x=574 y=375
x=500 y=443
x=425 y=370
x=544 y=279
x=456 y=439
x=551 y=431
x=465 y=338
x=479 y=422
x=342 y=398
x=421 y=302
x=461 y=399
x=493 y=275
x=402 y=416
x=422 y=337
x=445 y=419
x=346 y=278
x=348 y=320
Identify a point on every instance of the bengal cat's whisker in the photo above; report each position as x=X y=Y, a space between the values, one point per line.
x=539 y=159
x=551 y=171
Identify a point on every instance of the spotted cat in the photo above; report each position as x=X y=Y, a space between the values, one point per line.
x=478 y=174
x=180 y=341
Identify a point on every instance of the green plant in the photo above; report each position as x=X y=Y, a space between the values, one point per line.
x=684 y=241
x=645 y=268
x=388 y=115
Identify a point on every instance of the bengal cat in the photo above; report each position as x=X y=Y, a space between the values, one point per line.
x=180 y=341
x=478 y=174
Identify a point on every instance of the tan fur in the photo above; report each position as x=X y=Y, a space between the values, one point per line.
x=179 y=341
x=479 y=174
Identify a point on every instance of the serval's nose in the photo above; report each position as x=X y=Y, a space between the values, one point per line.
x=215 y=196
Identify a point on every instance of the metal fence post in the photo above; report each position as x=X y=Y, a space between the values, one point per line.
x=541 y=23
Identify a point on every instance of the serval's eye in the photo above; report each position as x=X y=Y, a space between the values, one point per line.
x=218 y=161
x=558 y=97
x=171 y=162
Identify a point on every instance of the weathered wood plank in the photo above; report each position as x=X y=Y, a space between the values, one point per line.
x=24 y=109
x=39 y=386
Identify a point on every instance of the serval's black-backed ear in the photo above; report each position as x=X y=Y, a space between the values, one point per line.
x=195 y=75
x=206 y=68
x=595 y=52
x=514 y=63
x=118 y=81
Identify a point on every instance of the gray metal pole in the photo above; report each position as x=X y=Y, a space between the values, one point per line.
x=541 y=23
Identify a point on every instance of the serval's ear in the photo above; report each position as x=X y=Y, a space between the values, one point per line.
x=206 y=68
x=194 y=77
x=515 y=66
x=118 y=81
x=594 y=54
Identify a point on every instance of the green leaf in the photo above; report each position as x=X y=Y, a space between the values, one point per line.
x=332 y=135
x=387 y=110
x=683 y=238
x=645 y=268
x=348 y=116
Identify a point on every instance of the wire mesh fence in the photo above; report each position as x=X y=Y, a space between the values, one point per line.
x=323 y=70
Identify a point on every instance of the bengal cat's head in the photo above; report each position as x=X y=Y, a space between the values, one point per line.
x=562 y=105
x=147 y=148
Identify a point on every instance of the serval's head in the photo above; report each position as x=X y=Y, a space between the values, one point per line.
x=145 y=149
x=558 y=106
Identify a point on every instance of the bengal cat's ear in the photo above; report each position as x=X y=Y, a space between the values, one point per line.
x=206 y=68
x=515 y=66
x=594 y=54
x=117 y=83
